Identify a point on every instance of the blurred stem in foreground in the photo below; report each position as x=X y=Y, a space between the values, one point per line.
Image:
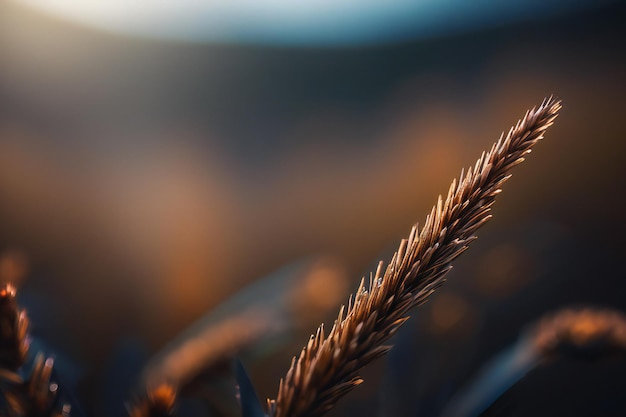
x=21 y=397
x=585 y=333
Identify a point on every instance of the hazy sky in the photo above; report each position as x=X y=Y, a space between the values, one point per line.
x=301 y=21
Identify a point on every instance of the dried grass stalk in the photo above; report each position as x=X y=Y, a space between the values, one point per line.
x=327 y=367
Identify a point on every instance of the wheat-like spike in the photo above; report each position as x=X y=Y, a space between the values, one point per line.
x=326 y=368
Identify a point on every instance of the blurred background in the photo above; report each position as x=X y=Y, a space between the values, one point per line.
x=156 y=160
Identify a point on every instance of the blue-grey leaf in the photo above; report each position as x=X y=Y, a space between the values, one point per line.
x=250 y=405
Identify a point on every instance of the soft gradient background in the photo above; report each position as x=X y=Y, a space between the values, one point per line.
x=146 y=175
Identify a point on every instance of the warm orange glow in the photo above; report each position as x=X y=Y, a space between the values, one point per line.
x=8 y=290
x=585 y=328
x=163 y=396
x=581 y=328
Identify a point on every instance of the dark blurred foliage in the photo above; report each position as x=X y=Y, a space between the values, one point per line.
x=142 y=182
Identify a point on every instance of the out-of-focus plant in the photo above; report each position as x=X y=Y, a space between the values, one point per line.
x=583 y=333
x=24 y=392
